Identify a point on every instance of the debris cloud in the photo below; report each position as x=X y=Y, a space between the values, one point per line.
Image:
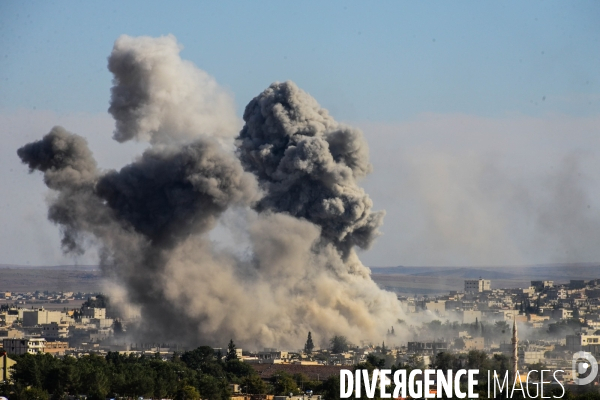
x=293 y=183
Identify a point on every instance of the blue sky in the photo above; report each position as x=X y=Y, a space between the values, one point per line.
x=450 y=95
x=384 y=62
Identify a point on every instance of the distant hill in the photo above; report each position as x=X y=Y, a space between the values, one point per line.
x=439 y=280
x=66 y=278
x=401 y=279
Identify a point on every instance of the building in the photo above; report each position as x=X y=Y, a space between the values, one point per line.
x=40 y=316
x=55 y=330
x=272 y=354
x=527 y=357
x=438 y=307
x=477 y=285
x=5 y=364
x=22 y=346
x=578 y=341
x=93 y=312
x=56 y=348
x=470 y=316
x=477 y=343
x=541 y=285
x=431 y=348
x=11 y=333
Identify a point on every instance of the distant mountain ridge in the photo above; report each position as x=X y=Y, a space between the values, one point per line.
x=83 y=267
x=439 y=280
x=536 y=272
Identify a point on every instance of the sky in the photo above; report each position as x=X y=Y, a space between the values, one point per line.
x=483 y=118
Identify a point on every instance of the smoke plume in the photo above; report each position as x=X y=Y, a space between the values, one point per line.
x=293 y=182
x=159 y=97
x=308 y=165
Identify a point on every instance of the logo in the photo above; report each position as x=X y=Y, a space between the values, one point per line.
x=584 y=363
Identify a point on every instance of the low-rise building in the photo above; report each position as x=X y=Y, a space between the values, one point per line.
x=56 y=348
x=22 y=346
x=55 y=330
x=5 y=364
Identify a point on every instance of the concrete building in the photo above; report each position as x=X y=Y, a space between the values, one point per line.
x=102 y=323
x=579 y=341
x=56 y=348
x=437 y=306
x=531 y=356
x=477 y=343
x=477 y=285
x=541 y=285
x=55 y=330
x=40 y=316
x=11 y=333
x=562 y=313
x=272 y=354
x=93 y=312
x=471 y=316
x=431 y=348
x=7 y=318
x=22 y=346
x=5 y=364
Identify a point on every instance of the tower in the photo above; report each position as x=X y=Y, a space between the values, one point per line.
x=515 y=343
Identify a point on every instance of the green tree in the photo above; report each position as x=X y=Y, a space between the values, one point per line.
x=309 y=346
x=254 y=385
x=284 y=384
x=187 y=392
x=375 y=361
x=231 y=351
x=339 y=344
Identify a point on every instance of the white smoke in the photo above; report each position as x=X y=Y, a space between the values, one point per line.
x=159 y=97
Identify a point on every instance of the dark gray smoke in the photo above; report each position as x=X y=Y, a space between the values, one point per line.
x=308 y=165
x=170 y=193
x=70 y=169
x=152 y=218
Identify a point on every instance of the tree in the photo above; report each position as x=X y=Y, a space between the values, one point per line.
x=231 y=352
x=188 y=392
x=309 y=346
x=284 y=384
x=445 y=361
x=375 y=361
x=254 y=384
x=501 y=327
x=339 y=344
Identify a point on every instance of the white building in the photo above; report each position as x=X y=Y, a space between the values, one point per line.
x=22 y=346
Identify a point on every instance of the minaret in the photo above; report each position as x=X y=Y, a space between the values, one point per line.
x=515 y=343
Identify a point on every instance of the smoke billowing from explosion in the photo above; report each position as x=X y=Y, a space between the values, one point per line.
x=308 y=165
x=293 y=180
